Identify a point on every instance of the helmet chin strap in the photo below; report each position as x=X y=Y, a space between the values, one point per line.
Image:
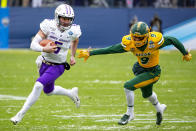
x=62 y=28
x=142 y=44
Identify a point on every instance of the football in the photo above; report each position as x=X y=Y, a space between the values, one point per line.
x=46 y=41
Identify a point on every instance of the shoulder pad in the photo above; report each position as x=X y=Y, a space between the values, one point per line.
x=44 y=25
x=75 y=28
x=75 y=31
x=126 y=40
x=44 y=22
x=156 y=37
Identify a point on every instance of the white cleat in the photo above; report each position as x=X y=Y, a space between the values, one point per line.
x=17 y=118
x=75 y=97
x=160 y=114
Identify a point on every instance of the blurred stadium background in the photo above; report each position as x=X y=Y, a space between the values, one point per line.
x=102 y=23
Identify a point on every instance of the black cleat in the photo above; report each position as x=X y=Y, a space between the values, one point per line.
x=159 y=118
x=125 y=119
x=160 y=114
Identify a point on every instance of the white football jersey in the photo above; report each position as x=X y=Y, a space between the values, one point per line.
x=63 y=40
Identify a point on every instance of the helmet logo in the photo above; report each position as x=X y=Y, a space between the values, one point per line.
x=64 y=11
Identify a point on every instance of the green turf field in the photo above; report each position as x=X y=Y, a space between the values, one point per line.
x=100 y=81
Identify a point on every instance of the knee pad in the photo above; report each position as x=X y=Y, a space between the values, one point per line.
x=38 y=85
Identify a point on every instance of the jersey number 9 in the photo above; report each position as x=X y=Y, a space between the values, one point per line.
x=144 y=60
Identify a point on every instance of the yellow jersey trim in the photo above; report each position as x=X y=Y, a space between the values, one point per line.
x=147 y=82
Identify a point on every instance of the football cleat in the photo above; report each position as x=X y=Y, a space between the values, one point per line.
x=75 y=97
x=160 y=114
x=17 y=118
x=125 y=119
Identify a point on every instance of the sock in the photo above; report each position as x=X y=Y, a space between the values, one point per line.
x=130 y=101
x=153 y=99
x=32 y=98
x=58 y=90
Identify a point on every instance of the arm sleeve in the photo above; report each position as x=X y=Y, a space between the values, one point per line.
x=35 y=43
x=173 y=41
x=117 y=48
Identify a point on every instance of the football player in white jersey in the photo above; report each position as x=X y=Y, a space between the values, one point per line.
x=52 y=62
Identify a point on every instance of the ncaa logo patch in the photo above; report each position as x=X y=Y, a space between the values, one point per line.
x=70 y=33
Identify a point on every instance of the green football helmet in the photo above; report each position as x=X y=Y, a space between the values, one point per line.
x=139 y=33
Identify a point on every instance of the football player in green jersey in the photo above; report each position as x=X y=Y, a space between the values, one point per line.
x=145 y=46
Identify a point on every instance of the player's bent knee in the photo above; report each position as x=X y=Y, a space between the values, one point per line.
x=146 y=94
x=38 y=85
x=48 y=93
x=129 y=87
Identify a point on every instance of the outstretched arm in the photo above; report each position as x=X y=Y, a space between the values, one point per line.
x=117 y=48
x=168 y=40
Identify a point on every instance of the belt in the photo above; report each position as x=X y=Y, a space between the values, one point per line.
x=66 y=65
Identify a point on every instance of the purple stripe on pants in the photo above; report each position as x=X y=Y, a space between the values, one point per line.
x=48 y=75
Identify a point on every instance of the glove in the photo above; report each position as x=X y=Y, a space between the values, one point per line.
x=187 y=57
x=84 y=54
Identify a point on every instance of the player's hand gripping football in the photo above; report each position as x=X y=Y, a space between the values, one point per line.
x=84 y=54
x=187 y=57
x=50 y=48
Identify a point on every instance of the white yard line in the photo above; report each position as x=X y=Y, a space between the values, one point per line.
x=10 y=97
x=64 y=116
x=107 y=118
x=96 y=116
x=102 y=81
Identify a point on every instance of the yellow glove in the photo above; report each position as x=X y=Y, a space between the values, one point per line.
x=84 y=54
x=187 y=57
